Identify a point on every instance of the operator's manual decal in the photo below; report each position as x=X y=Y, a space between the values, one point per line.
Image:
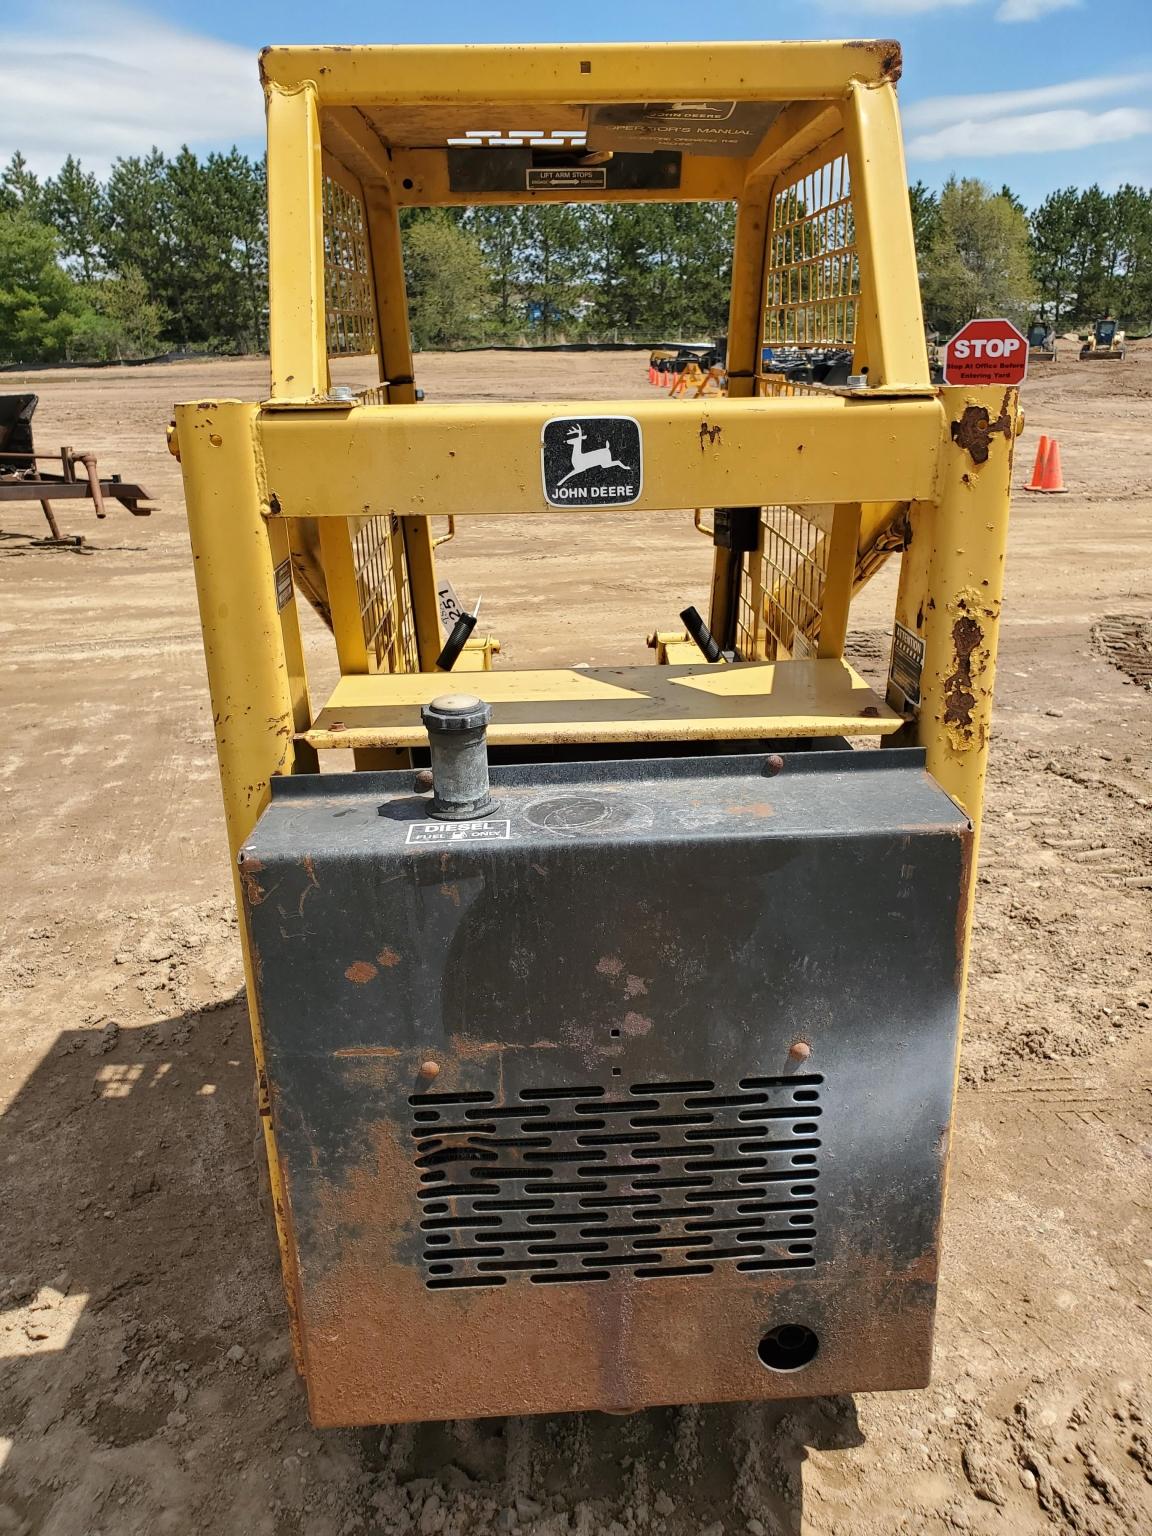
x=591 y=461
x=457 y=831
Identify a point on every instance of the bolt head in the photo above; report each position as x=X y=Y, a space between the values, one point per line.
x=429 y=1069
x=800 y=1050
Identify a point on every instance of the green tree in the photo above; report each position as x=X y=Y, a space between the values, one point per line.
x=139 y=232
x=1053 y=229
x=73 y=203
x=979 y=261
x=42 y=309
x=554 y=269
x=449 y=290
x=500 y=234
x=133 y=324
x=659 y=270
x=1132 y=292
x=925 y=212
x=241 y=192
x=19 y=188
x=1091 y=255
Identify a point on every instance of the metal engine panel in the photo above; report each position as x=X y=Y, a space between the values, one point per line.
x=550 y=1136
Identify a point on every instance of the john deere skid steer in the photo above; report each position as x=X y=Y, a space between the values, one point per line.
x=605 y=1019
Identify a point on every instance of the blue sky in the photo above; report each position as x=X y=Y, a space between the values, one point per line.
x=1037 y=93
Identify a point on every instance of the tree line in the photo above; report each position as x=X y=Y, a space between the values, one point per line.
x=166 y=253
x=1079 y=256
x=171 y=253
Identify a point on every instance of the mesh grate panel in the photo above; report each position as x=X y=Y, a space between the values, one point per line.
x=794 y=565
x=383 y=594
x=782 y=588
x=813 y=280
x=571 y=1184
x=350 y=316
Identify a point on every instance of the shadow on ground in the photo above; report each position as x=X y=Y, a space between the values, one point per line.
x=145 y=1378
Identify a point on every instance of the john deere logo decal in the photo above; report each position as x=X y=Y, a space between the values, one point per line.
x=591 y=460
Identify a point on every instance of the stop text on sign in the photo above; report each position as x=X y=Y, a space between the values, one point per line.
x=995 y=346
x=986 y=352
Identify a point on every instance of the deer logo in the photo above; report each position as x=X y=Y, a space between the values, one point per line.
x=590 y=461
x=588 y=458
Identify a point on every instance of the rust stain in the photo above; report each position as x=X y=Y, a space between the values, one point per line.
x=388 y=957
x=759 y=808
x=468 y=1049
x=975 y=429
x=968 y=686
x=368 y=1050
x=366 y=1286
x=635 y=986
x=609 y=965
x=361 y=972
x=636 y=1024
x=313 y=884
x=886 y=49
x=452 y=892
x=254 y=892
x=709 y=436
x=959 y=697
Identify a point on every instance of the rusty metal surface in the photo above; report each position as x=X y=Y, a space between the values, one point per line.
x=572 y=1117
x=975 y=428
x=22 y=478
x=35 y=489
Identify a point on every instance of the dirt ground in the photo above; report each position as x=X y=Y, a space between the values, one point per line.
x=145 y=1379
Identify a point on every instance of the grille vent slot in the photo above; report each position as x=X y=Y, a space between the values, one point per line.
x=576 y=1184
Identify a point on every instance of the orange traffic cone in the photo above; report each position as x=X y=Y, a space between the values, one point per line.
x=1053 y=476
x=651 y=374
x=1037 y=481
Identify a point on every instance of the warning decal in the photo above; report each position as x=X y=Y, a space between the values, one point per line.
x=907 y=665
x=283 y=576
x=425 y=832
x=572 y=178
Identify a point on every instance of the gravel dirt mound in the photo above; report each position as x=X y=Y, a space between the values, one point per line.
x=145 y=1379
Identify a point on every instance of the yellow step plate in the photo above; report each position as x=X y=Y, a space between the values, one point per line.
x=603 y=704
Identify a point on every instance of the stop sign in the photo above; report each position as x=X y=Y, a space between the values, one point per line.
x=986 y=352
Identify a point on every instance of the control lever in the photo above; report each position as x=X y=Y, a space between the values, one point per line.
x=694 y=623
x=458 y=639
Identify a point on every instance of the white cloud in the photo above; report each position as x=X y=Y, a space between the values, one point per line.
x=1031 y=133
x=1032 y=10
x=101 y=80
x=941 y=111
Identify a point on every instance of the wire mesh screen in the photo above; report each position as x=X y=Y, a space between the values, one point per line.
x=782 y=590
x=350 y=314
x=813 y=282
x=384 y=595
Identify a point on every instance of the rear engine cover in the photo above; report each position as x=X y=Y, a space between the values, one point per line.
x=636 y=1092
